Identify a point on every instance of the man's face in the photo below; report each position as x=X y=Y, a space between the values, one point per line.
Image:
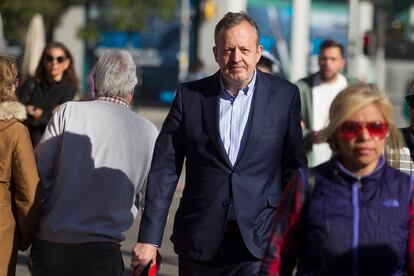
x=331 y=63
x=237 y=54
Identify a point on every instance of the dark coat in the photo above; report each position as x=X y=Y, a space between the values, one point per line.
x=274 y=148
x=47 y=96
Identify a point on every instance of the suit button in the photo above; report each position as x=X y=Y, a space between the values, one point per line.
x=225 y=203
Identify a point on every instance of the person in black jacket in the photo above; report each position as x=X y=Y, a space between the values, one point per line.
x=405 y=162
x=54 y=83
x=408 y=132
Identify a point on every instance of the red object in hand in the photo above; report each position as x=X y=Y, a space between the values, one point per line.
x=152 y=268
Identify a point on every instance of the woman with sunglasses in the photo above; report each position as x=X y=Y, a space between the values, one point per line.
x=352 y=215
x=19 y=181
x=55 y=82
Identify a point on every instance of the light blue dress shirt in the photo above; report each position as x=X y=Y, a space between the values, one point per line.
x=234 y=115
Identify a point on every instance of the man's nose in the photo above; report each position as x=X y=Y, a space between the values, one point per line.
x=236 y=55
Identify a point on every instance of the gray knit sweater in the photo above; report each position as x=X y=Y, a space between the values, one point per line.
x=93 y=160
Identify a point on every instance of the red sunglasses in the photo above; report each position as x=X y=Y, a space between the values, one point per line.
x=351 y=129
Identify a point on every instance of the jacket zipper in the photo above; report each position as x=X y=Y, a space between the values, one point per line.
x=355 y=231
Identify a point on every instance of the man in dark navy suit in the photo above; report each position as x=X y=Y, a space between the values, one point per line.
x=239 y=132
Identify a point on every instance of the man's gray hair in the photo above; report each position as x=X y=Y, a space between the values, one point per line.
x=115 y=74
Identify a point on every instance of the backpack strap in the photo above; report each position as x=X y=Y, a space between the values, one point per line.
x=410 y=185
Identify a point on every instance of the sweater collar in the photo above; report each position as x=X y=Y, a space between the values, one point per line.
x=115 y=99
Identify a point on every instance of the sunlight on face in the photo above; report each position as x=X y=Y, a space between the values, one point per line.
x=331 y=63
x=361 y=154
x=237 y=54
x=56 y=62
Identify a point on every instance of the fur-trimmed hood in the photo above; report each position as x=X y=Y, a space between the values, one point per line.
x=12 y=110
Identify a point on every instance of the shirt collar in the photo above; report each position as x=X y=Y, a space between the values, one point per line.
x=226 y=94
x=114 y=99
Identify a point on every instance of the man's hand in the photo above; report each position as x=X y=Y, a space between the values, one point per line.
x=316 y=137
x=302 y=124
x=142 y=255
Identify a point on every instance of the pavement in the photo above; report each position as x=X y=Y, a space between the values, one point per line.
x=169 y=258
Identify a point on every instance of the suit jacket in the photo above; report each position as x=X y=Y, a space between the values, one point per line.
x=252 y=187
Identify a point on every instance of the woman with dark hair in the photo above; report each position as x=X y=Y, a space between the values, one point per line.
x=55 y=82
x=19 y=180
x=354 y=214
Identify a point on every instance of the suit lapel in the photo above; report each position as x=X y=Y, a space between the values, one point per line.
x=210 y=113
x=261 y=104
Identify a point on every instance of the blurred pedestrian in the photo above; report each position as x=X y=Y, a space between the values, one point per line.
x=239 y=132
x=93 y=160
x=269 y=64
x=55 y=82
x=20 y=194
x=317 y=92
x=352 y=215
x=404 y=160
x=197 y=70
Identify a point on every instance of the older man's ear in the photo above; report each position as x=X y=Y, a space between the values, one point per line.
x=129 y=97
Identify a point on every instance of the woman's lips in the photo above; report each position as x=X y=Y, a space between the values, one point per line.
x=363 y=151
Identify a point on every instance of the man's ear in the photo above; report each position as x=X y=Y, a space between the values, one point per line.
x=130 y=96
x=343 y=63
x=215 y=52
x=259 y=52
x=260 y=49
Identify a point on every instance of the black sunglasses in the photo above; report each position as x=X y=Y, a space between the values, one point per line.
x=59 y=59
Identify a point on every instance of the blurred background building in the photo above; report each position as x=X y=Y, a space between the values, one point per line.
x=167 y=36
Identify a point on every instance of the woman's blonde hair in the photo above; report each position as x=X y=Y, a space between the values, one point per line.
x=8 y=76
x=351 y=100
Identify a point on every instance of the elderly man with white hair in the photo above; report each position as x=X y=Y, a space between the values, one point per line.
x=93 y=160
